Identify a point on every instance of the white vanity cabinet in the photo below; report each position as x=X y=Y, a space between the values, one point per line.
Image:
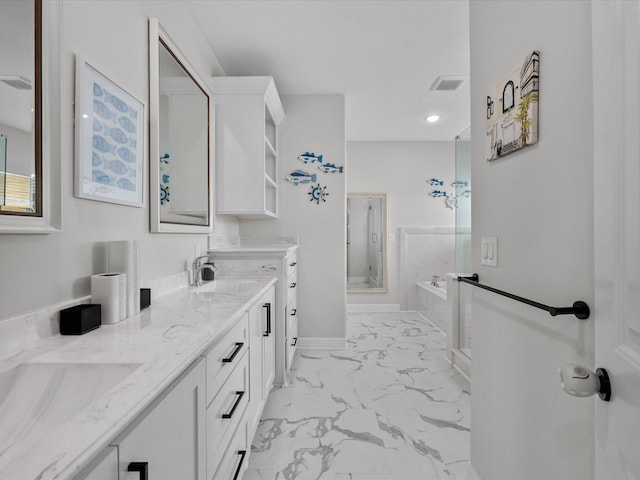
x=281 y=261
x=169 y=439
x=262 y=356
x=248 y=111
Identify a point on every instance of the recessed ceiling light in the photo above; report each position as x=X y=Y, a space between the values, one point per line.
x=432 y=118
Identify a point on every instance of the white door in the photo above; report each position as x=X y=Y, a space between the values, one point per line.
x=616 y=67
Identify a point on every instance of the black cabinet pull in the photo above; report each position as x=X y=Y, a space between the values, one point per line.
x=294 y=311
x=141 y=467
x=235 y=405
x=268 y=307
x=230 y=358
x=293 y=264
x=242 y=453
x=292 y=285
x=295 y=341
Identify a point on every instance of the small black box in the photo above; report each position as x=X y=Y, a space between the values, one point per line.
x=80 y=319
x=145 y=298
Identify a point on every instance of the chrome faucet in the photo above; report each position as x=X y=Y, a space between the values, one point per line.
x=434 y=280
x=197 y=267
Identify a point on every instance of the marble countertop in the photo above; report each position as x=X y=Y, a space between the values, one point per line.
x=129 y=364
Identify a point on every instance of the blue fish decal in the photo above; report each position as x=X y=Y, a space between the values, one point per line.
x=102 y=144
x=460 y=184
x=102 y=110
x=116 y=166
x=126 y=184
x=435 y=182
x=97 y=90
x=307 y=157
x=117 y=134
x=95 y=159
x=125 y=154
x=300 y=176
x=438 y=193
x=99 y=176
x=164 y=158
x=127 y=124
x=330 y=168
x=118 y=104
x=466 y=193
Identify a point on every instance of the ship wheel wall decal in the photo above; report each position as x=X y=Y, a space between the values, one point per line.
x=318 y=193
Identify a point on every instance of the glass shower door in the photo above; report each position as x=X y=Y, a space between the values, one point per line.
x=463 y=238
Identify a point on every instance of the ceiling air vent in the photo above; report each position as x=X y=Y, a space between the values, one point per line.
x=16 y=81
x=447 y=84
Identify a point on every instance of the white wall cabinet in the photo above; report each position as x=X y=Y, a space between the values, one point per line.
x=248 y=111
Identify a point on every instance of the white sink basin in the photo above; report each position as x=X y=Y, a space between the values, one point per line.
x=35 y=398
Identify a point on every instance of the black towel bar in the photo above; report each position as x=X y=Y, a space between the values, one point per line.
x=580 y=309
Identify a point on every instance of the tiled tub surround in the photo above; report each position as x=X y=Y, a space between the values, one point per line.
x=148 y=351
x=390 y=407
x=432 y=303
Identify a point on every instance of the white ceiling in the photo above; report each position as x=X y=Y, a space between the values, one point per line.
x=383 y=55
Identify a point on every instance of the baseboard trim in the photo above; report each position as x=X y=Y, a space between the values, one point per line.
x=372 y=307
x=322 y=343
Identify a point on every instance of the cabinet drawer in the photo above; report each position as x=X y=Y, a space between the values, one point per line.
x=226 y=412
x=292 y=262
x=225 y=355
x=292 y=285
x=235 y=460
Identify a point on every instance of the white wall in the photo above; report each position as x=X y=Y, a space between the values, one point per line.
x=538 y=202
x=314 y=123
x=401 y=169
x=41 y=270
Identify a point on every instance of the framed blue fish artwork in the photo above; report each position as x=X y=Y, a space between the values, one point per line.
x=318 y=194
x=110 y=140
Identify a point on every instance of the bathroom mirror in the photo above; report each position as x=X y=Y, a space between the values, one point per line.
x=180 y=113
x=366 y=242
x=29 y=116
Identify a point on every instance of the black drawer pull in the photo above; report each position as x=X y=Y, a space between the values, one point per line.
x=243 y=454
x=268 y=331
x=295 y=341
x=292 y=285
x=293 y=264
x=294 y=311
x=141 y=467
x=230 y=358
x=235 y=405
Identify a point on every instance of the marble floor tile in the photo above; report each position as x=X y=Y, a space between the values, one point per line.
x=389 y=407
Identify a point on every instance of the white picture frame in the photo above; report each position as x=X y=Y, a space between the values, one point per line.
x=110 y=144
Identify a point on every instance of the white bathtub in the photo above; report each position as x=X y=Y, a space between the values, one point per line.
x=432 y=303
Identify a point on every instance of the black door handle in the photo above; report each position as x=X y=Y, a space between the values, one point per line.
x=235 y=405
x=243 y=454
x=292 y=285
x=295 y=341
x=293 y=264
x=141 y=467
x=268 y=307
x=235 y=352
x=294 y=311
